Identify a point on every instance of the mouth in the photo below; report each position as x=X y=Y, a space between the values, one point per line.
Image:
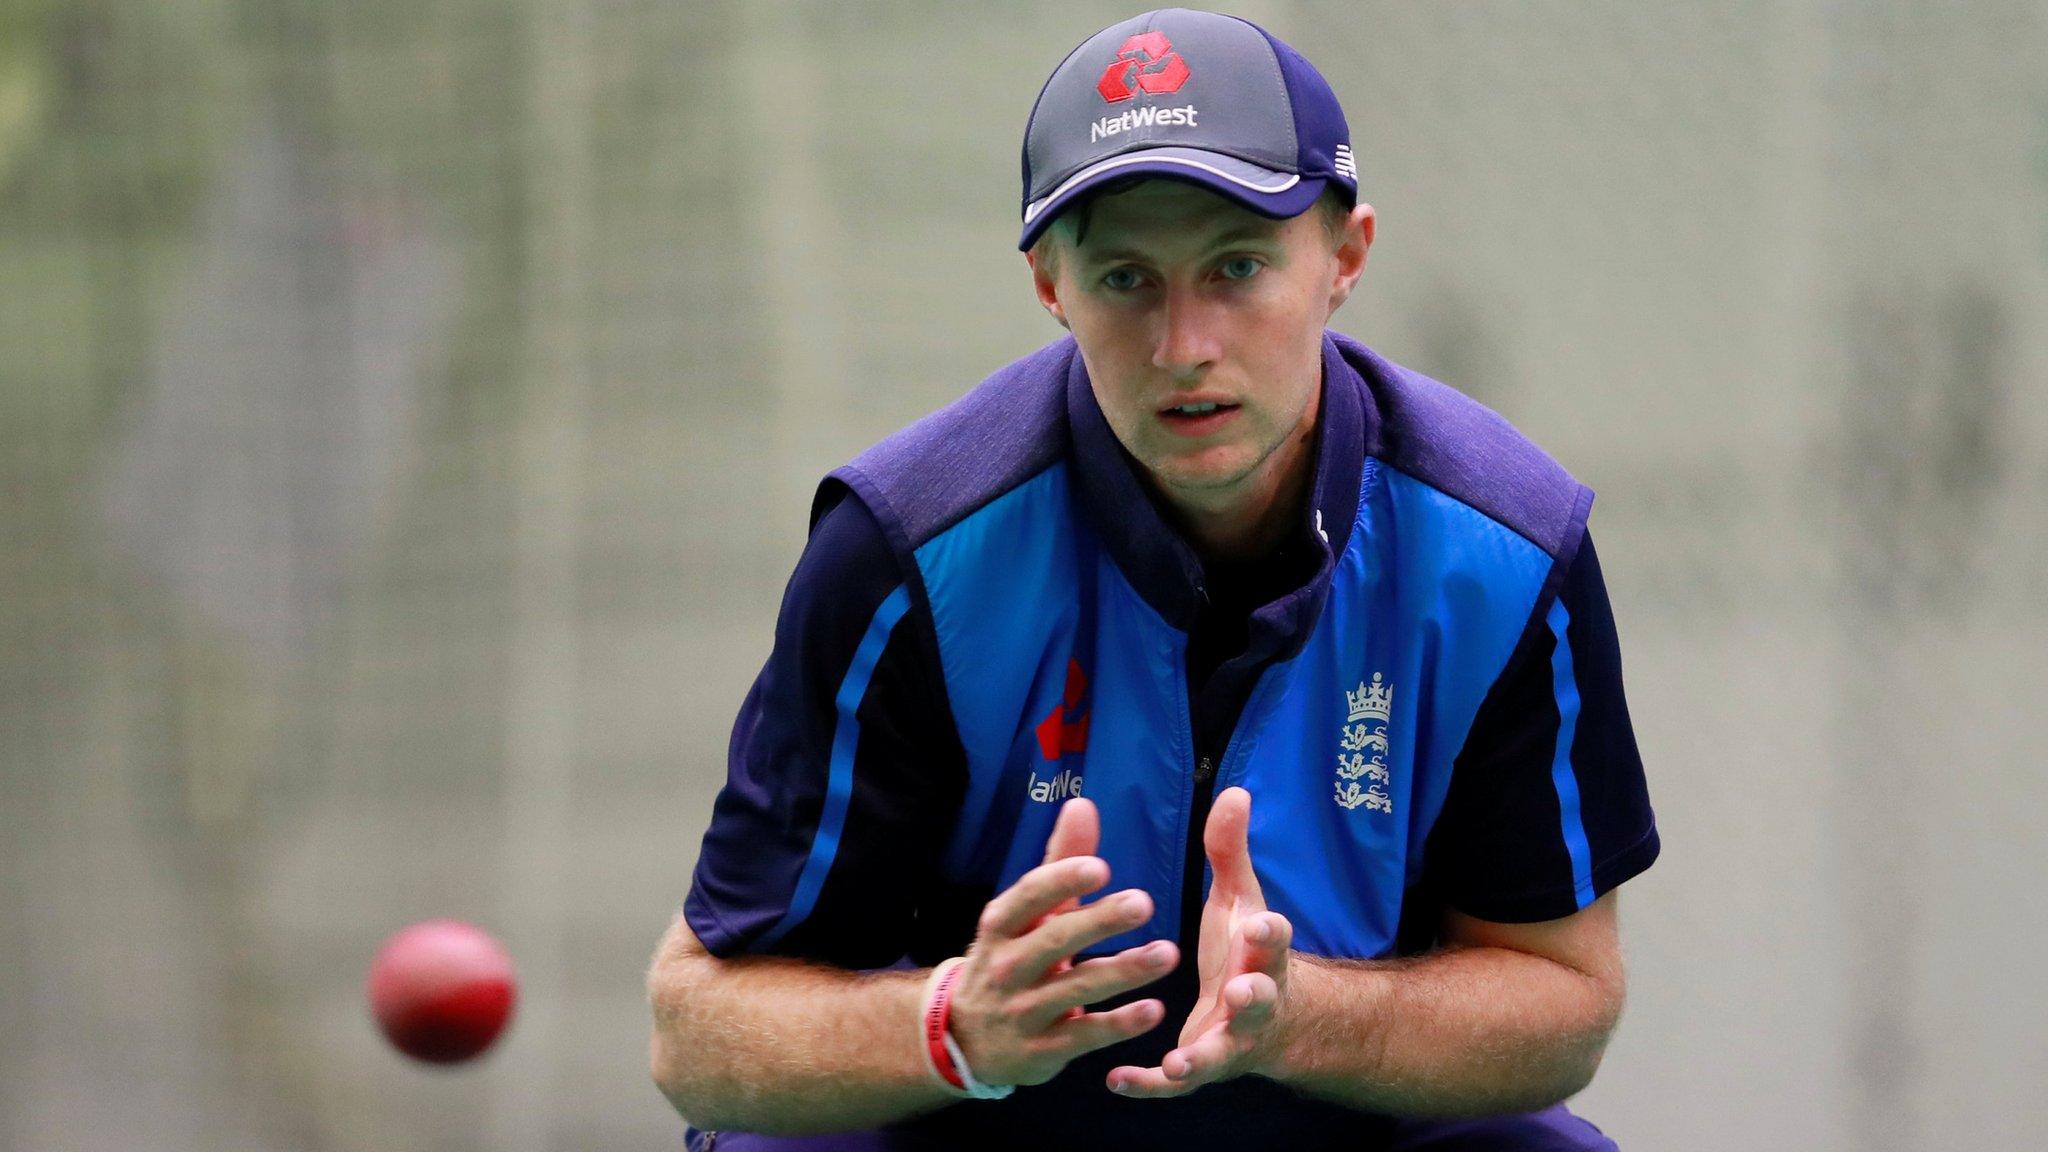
x=1198 y=418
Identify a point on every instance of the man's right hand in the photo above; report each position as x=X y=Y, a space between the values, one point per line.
x=1017 y=1007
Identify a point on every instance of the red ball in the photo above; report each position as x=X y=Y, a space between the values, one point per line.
x=442 y=990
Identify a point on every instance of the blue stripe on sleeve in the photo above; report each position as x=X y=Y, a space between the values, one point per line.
x=1561 y=775
x=839 y=784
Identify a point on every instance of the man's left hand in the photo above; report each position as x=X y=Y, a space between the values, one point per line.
x=1242 y=958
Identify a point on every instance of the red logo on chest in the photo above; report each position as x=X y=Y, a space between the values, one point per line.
x=1064 y=731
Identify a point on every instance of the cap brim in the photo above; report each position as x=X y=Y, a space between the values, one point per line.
x=1263 y=190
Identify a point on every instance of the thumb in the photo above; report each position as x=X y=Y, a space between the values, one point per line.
x=1227 y=841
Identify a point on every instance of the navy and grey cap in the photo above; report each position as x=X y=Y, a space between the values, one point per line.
x=1208 y=99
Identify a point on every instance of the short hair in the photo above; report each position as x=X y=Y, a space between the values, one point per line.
x=1334 y=204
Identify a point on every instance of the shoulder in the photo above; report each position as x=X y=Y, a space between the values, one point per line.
x=935 y=473
x=847 y=584
x=1440 y=437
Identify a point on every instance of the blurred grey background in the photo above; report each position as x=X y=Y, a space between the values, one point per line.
x=408 y=412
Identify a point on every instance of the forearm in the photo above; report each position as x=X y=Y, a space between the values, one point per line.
x=766 y=1044
x=1467 y=1031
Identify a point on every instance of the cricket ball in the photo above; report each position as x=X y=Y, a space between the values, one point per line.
x=442 y=990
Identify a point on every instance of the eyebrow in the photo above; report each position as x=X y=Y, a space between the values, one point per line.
x=1264 y=231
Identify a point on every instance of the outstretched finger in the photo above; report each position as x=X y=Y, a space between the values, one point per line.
x=1251 y=1000
x=1068 y=988
x=1085 y=1033
x=1077 y=831
x=1267 y=937
x=1043 y=949
x=1248 y=1005
x=1202 y=1059
x=1020 y=907
x=1145 y=1083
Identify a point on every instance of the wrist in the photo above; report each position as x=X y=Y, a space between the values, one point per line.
x=1324 y=1005
x=944 y=1059
x=1276 y=1057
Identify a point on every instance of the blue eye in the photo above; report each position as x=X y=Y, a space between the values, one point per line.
x=1120 y=280
x=1241 y=268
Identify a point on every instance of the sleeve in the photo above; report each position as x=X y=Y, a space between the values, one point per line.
x=1547 y=807
x=844 y=768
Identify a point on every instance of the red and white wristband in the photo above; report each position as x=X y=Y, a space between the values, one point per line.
x=942 y=1054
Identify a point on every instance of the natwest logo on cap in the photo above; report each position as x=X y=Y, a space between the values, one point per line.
x=1148 y=59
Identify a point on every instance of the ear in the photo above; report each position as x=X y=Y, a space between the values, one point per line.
x=1350 y=255
x=1043 y=283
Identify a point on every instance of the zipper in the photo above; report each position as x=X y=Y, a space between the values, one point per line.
x=1196 y=860
x=1193 y=859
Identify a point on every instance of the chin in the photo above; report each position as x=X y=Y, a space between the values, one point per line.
x=1208 y=470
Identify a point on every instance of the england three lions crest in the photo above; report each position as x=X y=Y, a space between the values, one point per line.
x=1362 y=776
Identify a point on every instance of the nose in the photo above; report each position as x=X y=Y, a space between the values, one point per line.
x=1187 y=341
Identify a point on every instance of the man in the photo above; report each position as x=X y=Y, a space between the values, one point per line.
x=1201 y=584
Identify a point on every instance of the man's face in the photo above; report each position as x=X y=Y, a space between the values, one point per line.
x=1201 y=325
